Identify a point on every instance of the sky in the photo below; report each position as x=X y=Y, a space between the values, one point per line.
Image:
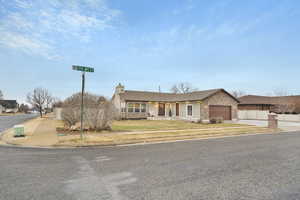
x=247 y=45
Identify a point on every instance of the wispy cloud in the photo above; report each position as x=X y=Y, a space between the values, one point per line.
x=34 y=27
x=220 y=25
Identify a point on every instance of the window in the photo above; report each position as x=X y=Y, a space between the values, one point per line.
x=190 y=110
x=143 y=107
x=137 y=107
x=130 y=107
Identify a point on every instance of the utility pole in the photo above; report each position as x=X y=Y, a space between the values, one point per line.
x=83 y=70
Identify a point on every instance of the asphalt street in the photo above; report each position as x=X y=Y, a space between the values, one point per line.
x=247 y=167
x=7 y=122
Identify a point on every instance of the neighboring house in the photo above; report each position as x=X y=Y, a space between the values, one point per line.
x=253 y=102
x=194 y=106
x=277 y=104
x=9 y=106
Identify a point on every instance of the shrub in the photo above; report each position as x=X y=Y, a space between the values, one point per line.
x=199 y=121
x=70 y=115
x=98 y=111
x=220 y=120
x=217 y=120
x=213 y=121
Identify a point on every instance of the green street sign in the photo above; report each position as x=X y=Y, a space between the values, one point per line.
x=82 y=68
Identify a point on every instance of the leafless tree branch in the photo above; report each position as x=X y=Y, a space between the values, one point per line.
x=39 y=99
x=98 y=111
x=1 y=95
x=183 y=87
x=238 y=93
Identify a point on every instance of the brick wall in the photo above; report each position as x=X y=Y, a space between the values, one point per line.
x=220 y=98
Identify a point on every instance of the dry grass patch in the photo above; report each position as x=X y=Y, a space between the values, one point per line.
x=114 y=139
x=153 y=125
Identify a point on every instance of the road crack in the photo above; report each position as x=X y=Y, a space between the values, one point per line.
x=88 y=185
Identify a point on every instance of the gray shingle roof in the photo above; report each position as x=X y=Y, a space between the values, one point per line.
x=9 y=103
x=254 y=99
x=130 y=95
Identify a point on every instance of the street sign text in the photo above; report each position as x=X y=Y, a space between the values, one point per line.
x=82 y=68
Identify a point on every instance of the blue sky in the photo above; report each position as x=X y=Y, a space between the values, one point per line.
x=249 y=45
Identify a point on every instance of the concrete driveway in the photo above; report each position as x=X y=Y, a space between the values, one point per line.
x=285 y=126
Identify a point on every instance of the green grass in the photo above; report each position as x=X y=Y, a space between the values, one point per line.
x=154 y=125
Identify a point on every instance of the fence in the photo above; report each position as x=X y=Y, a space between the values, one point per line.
x=263 y=115
x=253 y=114
x=289 y=117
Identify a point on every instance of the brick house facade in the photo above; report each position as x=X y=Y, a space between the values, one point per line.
x=194 y=106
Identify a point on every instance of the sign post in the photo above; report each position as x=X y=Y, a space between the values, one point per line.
x=83 y=70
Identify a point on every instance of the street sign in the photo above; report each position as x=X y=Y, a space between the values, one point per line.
x=82 y=68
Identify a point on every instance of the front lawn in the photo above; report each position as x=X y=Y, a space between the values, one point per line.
x=156 y=125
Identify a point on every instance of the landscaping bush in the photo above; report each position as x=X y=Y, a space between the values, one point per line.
x=71 y=110
x=220 y=120
x=213 y=121
x=199 y=121
x=98 y=112
x=217 y=120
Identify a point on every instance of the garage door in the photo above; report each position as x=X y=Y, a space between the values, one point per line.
x=220 y=111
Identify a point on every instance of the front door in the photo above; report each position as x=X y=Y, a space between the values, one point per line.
x=161 y=109
x=177 y=109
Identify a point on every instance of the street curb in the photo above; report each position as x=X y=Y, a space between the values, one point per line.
x=133 y=144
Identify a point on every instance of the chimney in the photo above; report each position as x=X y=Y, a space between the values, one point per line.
x=120 y=89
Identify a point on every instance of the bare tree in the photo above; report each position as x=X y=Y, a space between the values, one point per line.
x=238 y=93
x=48 y=102
x=183 y=87
x=23 y=108
x=57 y=103
x=285 y=108
x=283 y=103
x=1 y=95
x=280 y=93
x=38 y=99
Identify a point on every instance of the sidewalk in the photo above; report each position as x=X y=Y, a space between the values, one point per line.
x=39 y=132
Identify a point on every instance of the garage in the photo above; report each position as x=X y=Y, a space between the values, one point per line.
x=218 y=111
